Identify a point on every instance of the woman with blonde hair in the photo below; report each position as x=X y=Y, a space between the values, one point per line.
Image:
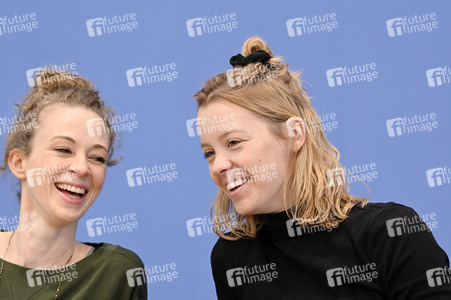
x=288 y=227
x=59 y=148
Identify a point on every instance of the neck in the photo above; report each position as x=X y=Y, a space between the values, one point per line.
x=38 y=244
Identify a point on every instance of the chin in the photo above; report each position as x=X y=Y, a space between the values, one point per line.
x=69 y=216
x=246 y=210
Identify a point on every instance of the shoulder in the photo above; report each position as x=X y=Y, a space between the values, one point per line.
x=384 y=220
x=394 y=228
x=375 y=213
x=387 y=226
x=380 y=207
x=401 y=244
x=117 y=255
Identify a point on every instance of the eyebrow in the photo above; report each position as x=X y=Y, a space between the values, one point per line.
x=222 y=135
x=73 y=141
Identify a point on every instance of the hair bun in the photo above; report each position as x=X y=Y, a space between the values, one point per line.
x=254 y=44
x=51 y=80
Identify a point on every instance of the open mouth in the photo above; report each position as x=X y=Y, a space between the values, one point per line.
x=70 y=190
x=233 y=186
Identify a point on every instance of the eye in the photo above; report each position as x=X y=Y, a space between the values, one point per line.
x=100 y=159
x=208 y=154
x=232 y=143
x=63 y=150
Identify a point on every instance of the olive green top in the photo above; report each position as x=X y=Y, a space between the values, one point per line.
x=110 y=272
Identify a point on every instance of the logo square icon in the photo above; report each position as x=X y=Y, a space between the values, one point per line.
x=136 y=277
x=395 y=27
x=235 y=277
x=195 y=27
x=95 y=27
x=195 y=227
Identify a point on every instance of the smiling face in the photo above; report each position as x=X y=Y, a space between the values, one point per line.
x=249 y=162
x=66 y=167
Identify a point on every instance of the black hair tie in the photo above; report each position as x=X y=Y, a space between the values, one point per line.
x=255 y=57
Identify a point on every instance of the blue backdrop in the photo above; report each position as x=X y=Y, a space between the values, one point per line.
x=379 y=75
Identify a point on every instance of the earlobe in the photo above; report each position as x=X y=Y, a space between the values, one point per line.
x=296 y=132
x=16 y=163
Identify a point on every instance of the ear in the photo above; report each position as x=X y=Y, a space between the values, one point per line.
x=16 y=163
x=296 y=132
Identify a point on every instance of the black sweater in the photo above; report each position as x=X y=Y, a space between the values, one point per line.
x=371 y=255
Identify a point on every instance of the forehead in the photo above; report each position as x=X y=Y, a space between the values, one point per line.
x=73 y=121
x=219 y=118
x=65 y=115
x=223 y=109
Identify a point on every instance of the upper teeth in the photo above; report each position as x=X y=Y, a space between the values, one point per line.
x=71 y=188
x=236 y=183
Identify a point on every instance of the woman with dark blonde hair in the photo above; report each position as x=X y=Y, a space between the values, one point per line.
x=288 y=227
x=59 y=148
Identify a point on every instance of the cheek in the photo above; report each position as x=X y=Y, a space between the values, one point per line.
x=99 y=176
x=213 y=177
x=275 y=175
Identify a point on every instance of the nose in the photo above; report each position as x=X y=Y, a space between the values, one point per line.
x=79 y=166
x=220 y=165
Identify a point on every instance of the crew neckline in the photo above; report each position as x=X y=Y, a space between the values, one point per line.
x=82 y=266
x=280 y=227
x=276 y=225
